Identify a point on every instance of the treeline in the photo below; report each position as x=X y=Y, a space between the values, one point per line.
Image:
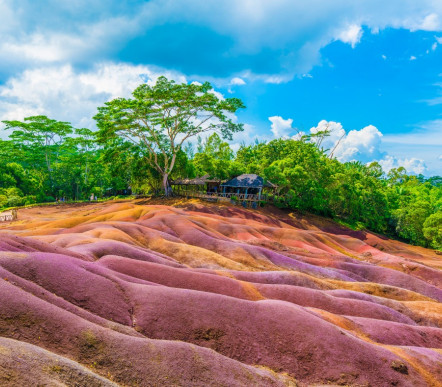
x=44 y=160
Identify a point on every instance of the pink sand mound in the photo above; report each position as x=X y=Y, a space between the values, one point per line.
x=137 y=295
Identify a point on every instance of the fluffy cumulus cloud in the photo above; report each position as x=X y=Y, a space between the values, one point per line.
x=238 y=37
x=351 y=35
x=335 y=130
x=62 y=93
x=363 y=145
x=412 y=165
x=281 y=127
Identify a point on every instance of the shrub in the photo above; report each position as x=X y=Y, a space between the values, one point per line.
x=432 y=230
x=3 y=200
x=31 y=199
x=14 y=201
x=14 y=191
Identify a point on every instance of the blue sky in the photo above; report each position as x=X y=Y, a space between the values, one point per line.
x=369 y=70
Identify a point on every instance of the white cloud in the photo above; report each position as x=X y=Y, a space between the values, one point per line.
x=298 y=136
x=412 y=57
x=293 y=31
x=281 y=127
x=412 y=165
x=392 y=151
x=237 y=81
x=62 y=93
x=430 y=23
x=434 y=46
x=351 y=35
x=384 y=57
x=259 y=25
x=28 y=45
x=39 y=48
x=438 y=39
x=336 y=132
x=247 y=137
x=362 y=145
x=217 y=94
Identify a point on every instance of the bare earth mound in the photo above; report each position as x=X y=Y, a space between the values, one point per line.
x=193 y=294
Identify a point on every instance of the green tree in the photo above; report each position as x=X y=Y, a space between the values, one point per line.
x=40 y=139
x=160 y=118
x=432 y=229
x=215 y=158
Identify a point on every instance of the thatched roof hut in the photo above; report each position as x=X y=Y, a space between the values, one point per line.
x=248 y=181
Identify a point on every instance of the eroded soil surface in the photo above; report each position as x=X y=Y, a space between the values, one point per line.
x=192 y=294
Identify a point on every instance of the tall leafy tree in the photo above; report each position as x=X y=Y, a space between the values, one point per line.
x=215 y=158
x=160 y=118
x=40 y=138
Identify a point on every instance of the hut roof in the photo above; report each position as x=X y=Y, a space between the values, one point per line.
x=249 y=181
x=196 y=181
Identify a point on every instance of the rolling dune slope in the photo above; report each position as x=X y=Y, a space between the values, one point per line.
x=195 y=294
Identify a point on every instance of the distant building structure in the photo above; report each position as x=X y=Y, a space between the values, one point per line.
x=247 y=189
x=248 y=185
x=204 y=184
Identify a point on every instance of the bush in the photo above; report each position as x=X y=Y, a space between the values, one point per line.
x=432 y=229
x=15 y=201
x=49 y=199
x=14 y=191
x=31 y=199
x=3 y=201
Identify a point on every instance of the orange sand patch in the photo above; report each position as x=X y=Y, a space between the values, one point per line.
x=428 y=310
x=380 y=290
x=251 y=291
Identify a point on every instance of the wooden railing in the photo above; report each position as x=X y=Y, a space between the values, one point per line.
x=223 y=196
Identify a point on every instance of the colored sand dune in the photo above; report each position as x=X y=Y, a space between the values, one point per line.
x=193 y=294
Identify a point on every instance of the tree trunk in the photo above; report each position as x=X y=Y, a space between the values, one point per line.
x=166 y=186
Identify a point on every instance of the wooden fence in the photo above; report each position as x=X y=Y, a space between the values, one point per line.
x=239 y=198
x=248 y=200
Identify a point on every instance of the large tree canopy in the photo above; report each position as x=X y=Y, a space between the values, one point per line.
x=160 y=118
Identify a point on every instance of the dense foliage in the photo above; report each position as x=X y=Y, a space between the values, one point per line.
x=407 y=206
x=45 y=160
